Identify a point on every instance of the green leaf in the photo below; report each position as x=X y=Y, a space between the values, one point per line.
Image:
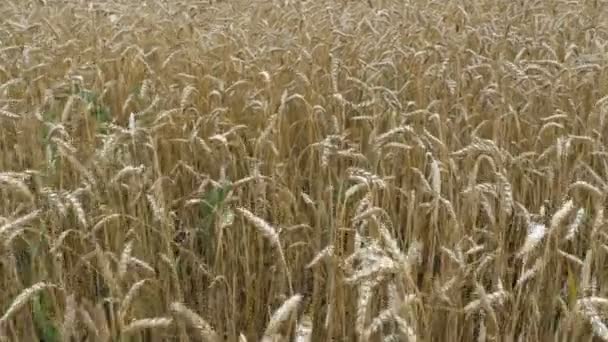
x=88 y=96
x=100 y=112
x=213 y=200
x=42 y=320
x=211 y=203
x=227 y=218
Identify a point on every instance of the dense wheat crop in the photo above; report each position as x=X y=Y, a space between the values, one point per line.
x=313 y=170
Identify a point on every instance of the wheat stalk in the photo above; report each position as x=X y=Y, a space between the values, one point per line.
x=148 y=323
x=282 y=314
x=268 y=232
x=205 y=330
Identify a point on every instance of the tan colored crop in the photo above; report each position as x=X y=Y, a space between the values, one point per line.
x=313 y=170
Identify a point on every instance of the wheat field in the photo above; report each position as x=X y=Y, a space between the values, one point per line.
x=282 y=170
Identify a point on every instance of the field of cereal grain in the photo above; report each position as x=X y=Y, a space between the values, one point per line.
x=282 y=170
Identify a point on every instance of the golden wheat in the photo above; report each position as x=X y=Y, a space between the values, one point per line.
x=303 y=171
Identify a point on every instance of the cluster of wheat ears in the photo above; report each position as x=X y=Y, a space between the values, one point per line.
x=321 y=170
